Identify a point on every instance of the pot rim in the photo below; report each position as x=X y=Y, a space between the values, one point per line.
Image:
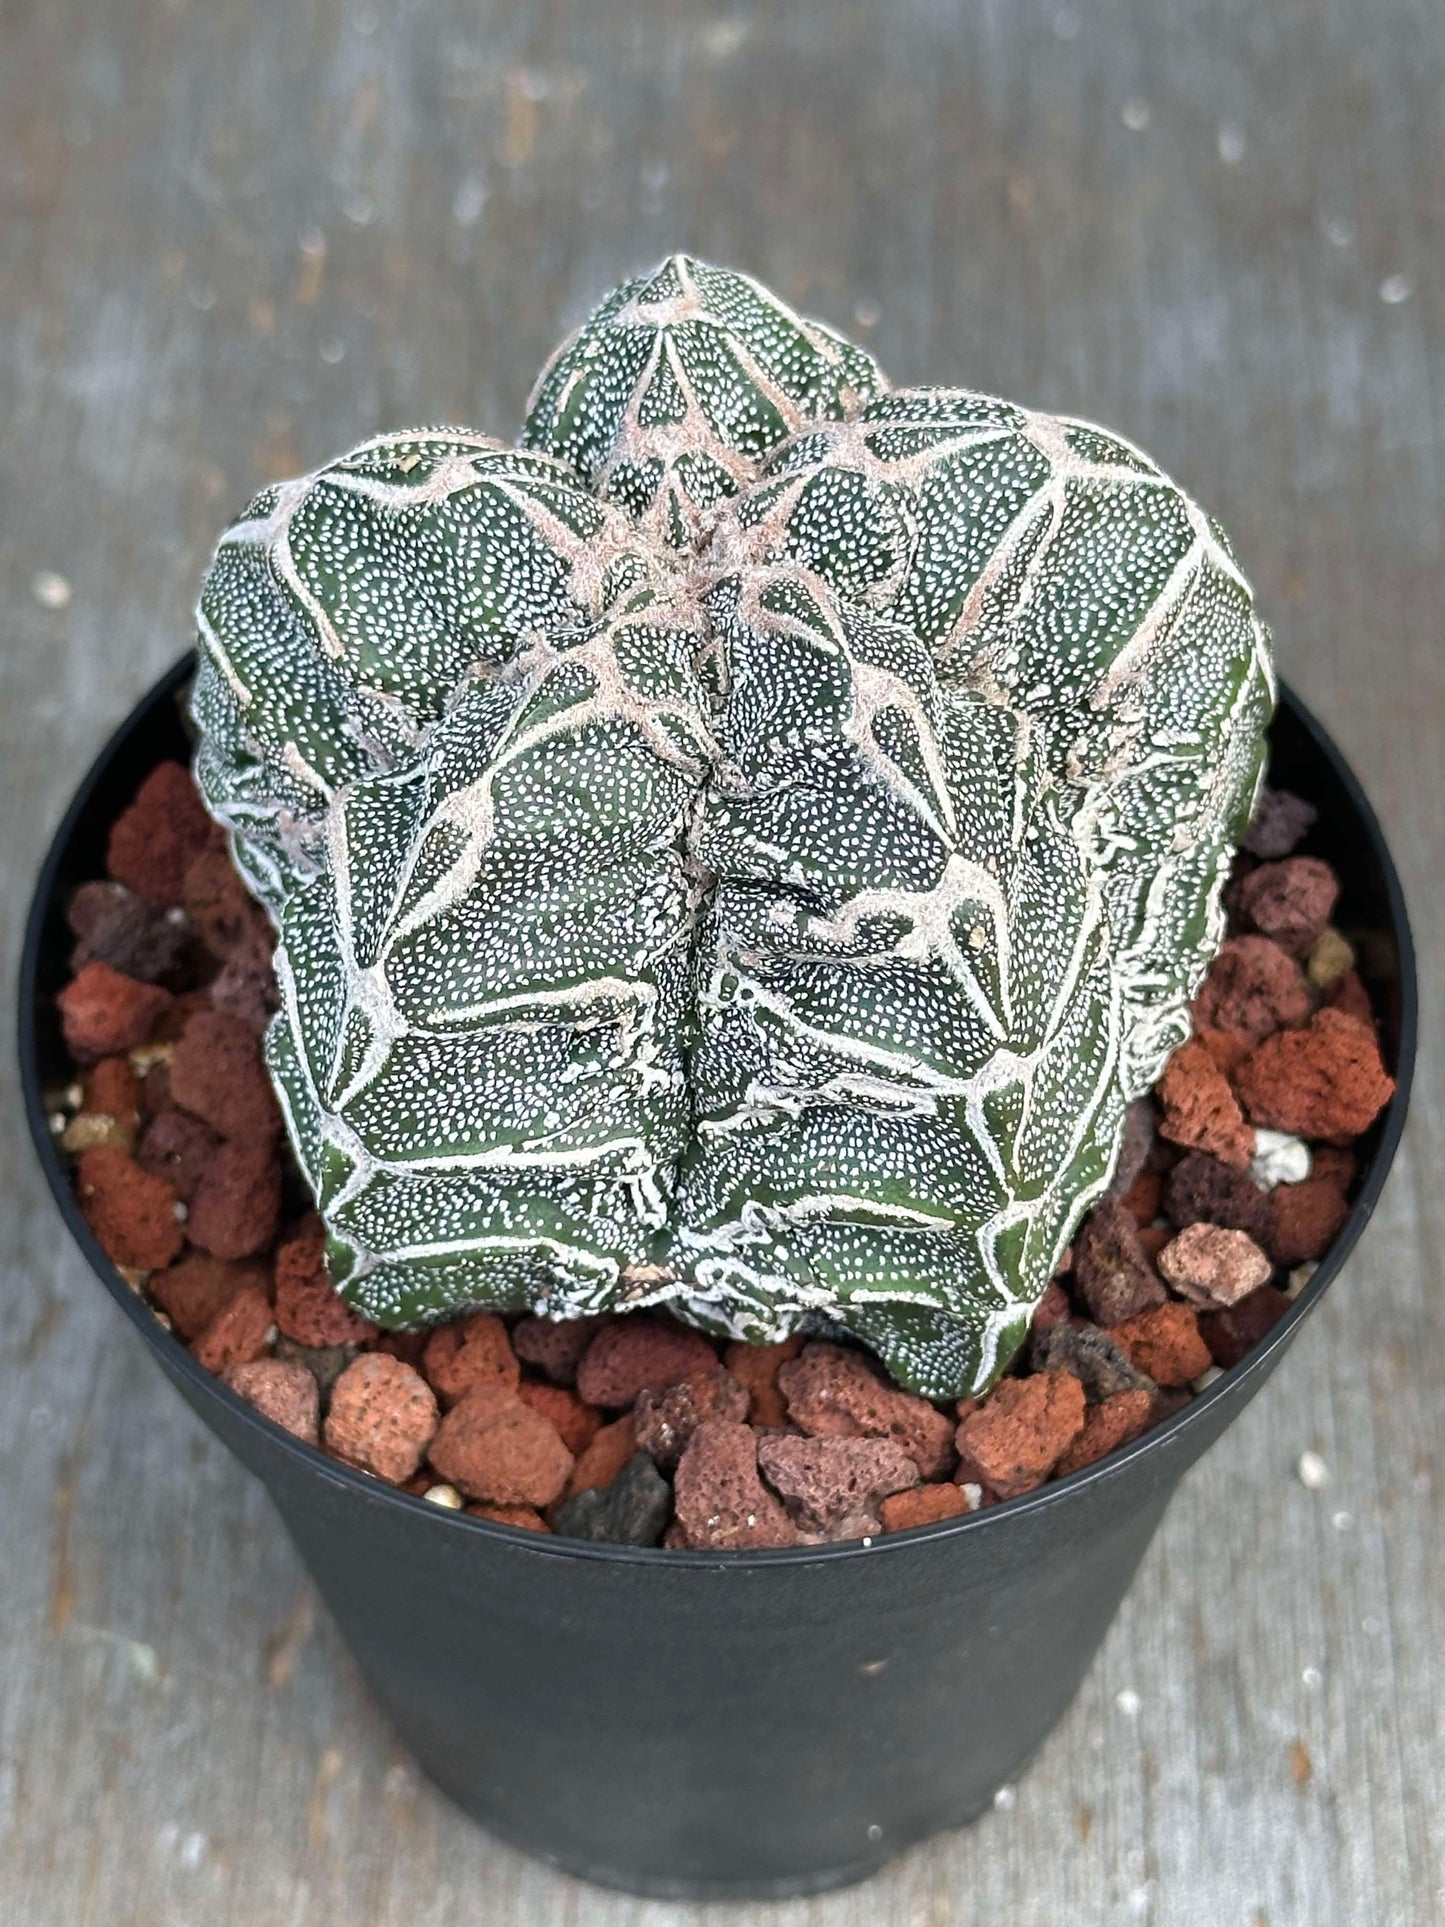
x=179 y=1361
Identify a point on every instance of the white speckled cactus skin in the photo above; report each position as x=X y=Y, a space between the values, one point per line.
x=742 y=852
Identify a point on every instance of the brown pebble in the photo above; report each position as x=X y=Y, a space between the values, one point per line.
x=554 y=1345
x=755 y=1367
x=1052 y=1309
x=250 y=996
x=599 y=1463
x=240 y=1331
x=1326 y=1081
x=1253 y=987
x=474 y=1350
x=835 y=1392
x=1112 y=1274
x=217 y=1075
x=491 y=1446
x=525 y=1516
x=325 y=1363
x=382 y=1417
x=237 y=1204
x=1136 y=1142
x=834 y=1486
x=1091 y=1355
x=177 y=1147
x=720 y=1499
x=1201 y=1190
x=1165 y=1344
x=1280 y=821
x=1290 y=901
x=226 y=917
x=636 y=1354
x=924 y=1505
x=667 y=1419
x=131 y=934
x=1211 y=1265
x=1349 y=996
x=1230 y=1333
x=1305 y=1218
x=153 y=842
x=131 y=1211
x=574 y=1423
x=1107 y=1426
x=1143 y=1198
x=103 y=1013
x=197 y=1286
x=1012 y=1441
x=285 y=1394
x=1199 y=1109
x=309 y=1309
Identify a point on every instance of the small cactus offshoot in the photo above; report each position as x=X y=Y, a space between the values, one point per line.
x=741 y=850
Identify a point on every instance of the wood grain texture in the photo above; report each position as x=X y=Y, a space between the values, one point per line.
x=235 y=238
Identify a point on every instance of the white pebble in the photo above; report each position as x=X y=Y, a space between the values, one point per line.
x=1279 y=1159
x=1136 y=115
x=1342 y=1521
x=1005 y=1798
x=444 y=1495
x=1313 y=1472
x=1313 y=1678
x=50 y=590
x=1128 y=1703
x=1207 y=1378
x=1396 y=288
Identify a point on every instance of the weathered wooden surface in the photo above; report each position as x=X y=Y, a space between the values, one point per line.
x=235 y=237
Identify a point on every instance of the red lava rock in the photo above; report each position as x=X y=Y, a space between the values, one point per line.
x=756 y=1367
x=640 y=1354
x=131 y=1211
x=1091 y=1356
x=1281 y=820
x=599 y=1463
x=285 y=1394
x=1291 y=901
x=1200 y=1111
x=240 y=1331
x=1107 y=1426
x=177 y=1147
x=666 y=1420
x=1012 y=1441
x=1305 y=1219
x=1349 y=996
x=1253 y=987
x=525 y=1516
x=1111 y=1272
x=113 y=1089
x=217 y=1075
x=834 y=1486
x=131 y=934
x=308 y=1307
x=837 y=1393
x=407 y=1346
x=1226 y=1047
x=226 y=917
x=1165 y=1344
x=1052 y=1309
x=1334 y=1161
x=103 y=1013
x=554 y=1345
x=1201 y=1190
x=1326 y=1081
x=236 y=1206
x=491 y=1446
x=197 y=1286
x=720 y=1499
x=1142 y=1199
x=574 y=1423
x=1211 y=1265
x=153 y=843
x=382 y=1417
x=473 y=1351
x=1230 y=1333
x=923 y=1505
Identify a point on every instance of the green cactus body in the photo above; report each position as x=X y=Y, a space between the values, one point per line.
x=743 y=852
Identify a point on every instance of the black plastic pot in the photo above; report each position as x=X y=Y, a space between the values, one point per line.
x=724 y=1723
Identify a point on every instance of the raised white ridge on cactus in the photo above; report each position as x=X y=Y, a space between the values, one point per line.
x=758 y=886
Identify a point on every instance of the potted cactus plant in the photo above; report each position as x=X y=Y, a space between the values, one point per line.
x=739 y=852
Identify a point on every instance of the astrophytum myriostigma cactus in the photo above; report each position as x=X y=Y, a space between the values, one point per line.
x=741 y=851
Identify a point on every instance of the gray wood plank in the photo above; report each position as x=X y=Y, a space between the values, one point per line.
x=233 y=238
